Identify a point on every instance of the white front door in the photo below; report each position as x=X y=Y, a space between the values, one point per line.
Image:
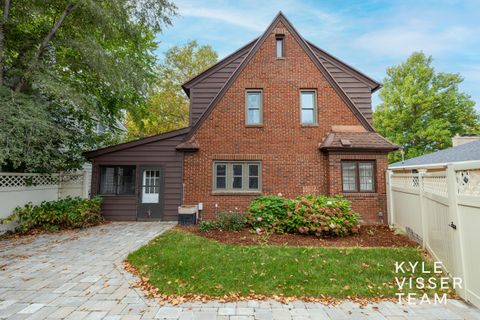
x=151 y=186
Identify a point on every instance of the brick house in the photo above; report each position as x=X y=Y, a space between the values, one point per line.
x=278 y=115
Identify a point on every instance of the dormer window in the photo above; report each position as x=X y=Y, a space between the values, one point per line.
x=280 y=46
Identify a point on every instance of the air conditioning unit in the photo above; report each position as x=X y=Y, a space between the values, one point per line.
x=187 y=215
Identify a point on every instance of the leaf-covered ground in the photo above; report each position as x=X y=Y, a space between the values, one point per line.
x=180 y=263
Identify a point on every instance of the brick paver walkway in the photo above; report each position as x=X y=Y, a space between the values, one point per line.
x=79 y=275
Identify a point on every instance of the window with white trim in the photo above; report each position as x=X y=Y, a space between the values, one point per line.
x=237 y=176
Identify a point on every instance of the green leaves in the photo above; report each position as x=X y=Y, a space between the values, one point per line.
x=167 y=108
x=73 y=65
x=314 y=215
x=422 y=109
x=54 y=215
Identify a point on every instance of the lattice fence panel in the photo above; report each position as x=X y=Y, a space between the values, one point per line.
x=408 y=181
x=436 y=184
x=12 y=180
x=468 y=182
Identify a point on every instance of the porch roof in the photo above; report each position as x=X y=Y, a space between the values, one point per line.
x=364 y=141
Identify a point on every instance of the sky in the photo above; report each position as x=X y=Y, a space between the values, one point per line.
x=370 y=35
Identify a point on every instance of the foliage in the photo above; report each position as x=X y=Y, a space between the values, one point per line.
x=216 y=269
x=55 y=215
x=313 y=215
x=322 y=216
x=206 y=226
x=168 y=106
x=422 y=109
x=269 y=213
x=228 y=221
x=81 y=62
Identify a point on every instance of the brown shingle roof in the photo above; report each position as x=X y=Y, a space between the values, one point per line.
x=356 y=141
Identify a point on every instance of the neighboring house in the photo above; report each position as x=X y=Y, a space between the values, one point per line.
x=279 y=115
x=465 y=149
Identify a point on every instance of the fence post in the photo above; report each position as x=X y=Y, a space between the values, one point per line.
x=85 y=184
x=457 y=233
x=388 y=180
x=423 y=210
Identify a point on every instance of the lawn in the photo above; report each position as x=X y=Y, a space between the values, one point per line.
x=179 y=263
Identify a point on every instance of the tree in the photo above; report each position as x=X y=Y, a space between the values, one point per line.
x=422 y=109
x=72 y=64
x=168 y=105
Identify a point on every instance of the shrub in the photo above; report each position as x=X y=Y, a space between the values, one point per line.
x=269 y=213
x=229 y=221
x=206 y=226
x=322 y=216
x=55 y=215
x=315 y=215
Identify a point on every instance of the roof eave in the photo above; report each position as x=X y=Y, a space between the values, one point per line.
x=130 y=144
x=364 y=149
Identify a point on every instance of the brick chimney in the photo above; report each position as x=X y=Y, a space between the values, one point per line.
x=459 y=140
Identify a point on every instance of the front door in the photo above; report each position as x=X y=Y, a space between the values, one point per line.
x=150 y=196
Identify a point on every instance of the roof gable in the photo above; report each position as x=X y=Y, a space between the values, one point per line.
x=280 y=18
x=327 y=57
x=217 y=66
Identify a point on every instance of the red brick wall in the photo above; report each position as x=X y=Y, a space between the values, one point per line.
x=291 y=162
x=367 y=204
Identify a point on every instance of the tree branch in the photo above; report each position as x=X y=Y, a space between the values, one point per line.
x=41 y=49
x=6 y=11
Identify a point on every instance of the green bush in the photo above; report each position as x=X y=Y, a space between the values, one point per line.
x=228 y=221
x=269 y=213
x=206 y=226
x=55 y=215
x=314 y=215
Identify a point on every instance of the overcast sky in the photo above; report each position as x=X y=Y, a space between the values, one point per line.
x=369 y=35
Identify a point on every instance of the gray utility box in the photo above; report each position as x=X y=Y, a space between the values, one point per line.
x=187 y=215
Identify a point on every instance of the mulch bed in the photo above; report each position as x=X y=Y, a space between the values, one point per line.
x=368 y=236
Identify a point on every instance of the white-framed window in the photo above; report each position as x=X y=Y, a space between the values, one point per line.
x=237 y=176
x=253 y=107
x=308 y=107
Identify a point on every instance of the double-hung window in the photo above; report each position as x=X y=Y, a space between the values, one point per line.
x=308 y=107
x=117 y=180
x=236 y=176
x=358 y=176
x=254 y=112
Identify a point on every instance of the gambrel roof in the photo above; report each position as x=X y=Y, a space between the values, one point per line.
x=206 y=89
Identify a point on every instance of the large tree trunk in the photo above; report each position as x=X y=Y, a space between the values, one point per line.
x=23 y=83
x=6 y=11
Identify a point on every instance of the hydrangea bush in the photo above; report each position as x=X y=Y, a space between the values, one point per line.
x=313 y=215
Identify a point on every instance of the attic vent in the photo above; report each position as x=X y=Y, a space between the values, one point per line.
x=345 y=142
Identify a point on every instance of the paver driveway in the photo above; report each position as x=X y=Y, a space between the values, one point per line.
x=79 y=275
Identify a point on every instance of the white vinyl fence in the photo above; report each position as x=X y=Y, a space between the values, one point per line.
x=17 y=189
x=441 y=210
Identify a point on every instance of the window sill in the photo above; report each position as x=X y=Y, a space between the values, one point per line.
x=254 y=126
x=236 y=193
x=309 y=125
x=280 y=58
x=116 y=195
x=360 y=194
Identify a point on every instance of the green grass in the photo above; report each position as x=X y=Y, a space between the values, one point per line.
x=180 y=263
